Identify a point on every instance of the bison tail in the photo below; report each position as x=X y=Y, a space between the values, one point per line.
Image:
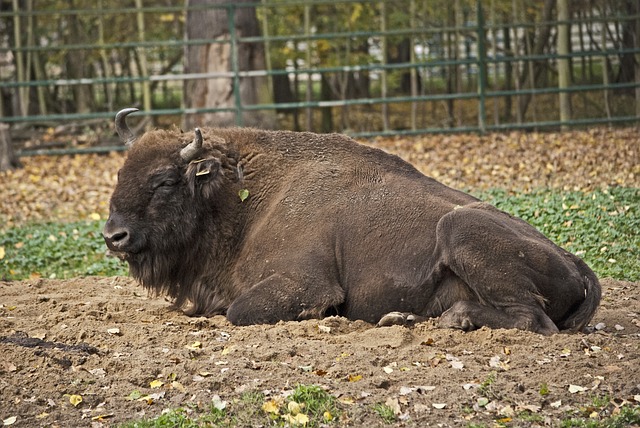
x=579 y=318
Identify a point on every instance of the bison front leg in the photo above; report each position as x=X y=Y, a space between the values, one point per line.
x=278 y=298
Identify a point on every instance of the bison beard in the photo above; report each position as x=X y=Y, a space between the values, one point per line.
x=329 y=227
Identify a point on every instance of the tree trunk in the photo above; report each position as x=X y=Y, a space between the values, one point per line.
x=7 y=159
x=508 y=71
x=76 y=64
x=627 y=60
x=530 y=74
x=564 y=72
x=218 y=57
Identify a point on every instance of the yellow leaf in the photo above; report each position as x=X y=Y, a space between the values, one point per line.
x=94 y=216
x=195 y=345
x=156 y=383
x=299 y=419
x=102 y=417
x=2 y=253
x=271 y=406
x=294 y=407
x=177 y=385
x=354 y=378
x=327 y=416
x=226 y=350
x=75 y=399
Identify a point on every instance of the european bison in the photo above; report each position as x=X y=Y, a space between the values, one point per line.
x=265 y=226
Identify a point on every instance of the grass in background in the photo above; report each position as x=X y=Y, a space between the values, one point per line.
x=56 y=250
x=602 y=227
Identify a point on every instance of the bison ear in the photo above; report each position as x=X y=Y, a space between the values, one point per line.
x=203 y=176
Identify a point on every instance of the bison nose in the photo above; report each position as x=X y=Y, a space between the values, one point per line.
x=116 y=239
x=116 y=234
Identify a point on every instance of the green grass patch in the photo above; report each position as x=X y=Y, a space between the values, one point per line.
x=56 y=250
x=385 y=412
x=308 y=405
x=625 y=416
x=601 y=226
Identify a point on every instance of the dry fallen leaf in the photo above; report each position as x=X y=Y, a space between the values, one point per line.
x=218 y=403
x=177 y=385
x=156 y=383
x=299 y=419
x=101 y=418
x=271 y=406
x=394 y=404
x=196 y=345
x=9 y=421
x=75 y=399
x=99 y=372
x=576 y=388
x=324 y=328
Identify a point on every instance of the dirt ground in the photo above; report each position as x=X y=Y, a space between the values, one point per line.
x=105 y=340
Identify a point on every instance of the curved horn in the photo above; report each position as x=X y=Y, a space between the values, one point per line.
x=123 y=130
x=191 y=151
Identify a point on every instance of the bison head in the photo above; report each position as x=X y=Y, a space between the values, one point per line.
x=163 y=209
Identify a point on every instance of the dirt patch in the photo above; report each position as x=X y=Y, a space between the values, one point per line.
x=103 y=338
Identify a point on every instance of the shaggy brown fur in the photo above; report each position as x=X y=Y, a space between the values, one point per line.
x=331 y=227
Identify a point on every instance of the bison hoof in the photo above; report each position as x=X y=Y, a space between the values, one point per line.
x=454 y=319
x=397 y=318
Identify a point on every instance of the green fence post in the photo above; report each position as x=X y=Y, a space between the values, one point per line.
x=482 y=69
x=231 y=15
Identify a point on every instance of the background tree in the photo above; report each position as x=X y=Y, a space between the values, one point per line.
x=8 y=160
x=215 y=55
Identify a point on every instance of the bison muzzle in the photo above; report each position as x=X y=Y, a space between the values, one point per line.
x=266 y=226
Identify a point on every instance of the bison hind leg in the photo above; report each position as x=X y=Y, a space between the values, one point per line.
x=468 y=315
x=400 y=318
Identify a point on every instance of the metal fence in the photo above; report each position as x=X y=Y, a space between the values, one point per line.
x=366 y=68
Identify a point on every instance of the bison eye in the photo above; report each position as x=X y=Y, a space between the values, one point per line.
x=169 y=182
x=164 y=180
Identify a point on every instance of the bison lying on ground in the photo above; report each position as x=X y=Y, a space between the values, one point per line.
x=265 y=226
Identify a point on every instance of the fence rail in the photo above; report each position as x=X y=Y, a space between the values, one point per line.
x=404 y=67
